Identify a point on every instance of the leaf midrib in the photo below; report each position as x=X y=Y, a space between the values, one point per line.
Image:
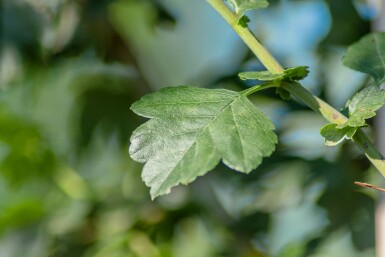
x=182 y=103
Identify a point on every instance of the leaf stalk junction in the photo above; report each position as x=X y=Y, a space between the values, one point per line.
x=295 y=88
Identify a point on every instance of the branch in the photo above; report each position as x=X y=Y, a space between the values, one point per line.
x=296 y=89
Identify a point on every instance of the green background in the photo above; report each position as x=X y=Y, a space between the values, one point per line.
x=69 y=72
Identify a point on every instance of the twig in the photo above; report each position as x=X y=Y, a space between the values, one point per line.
x=369 y=186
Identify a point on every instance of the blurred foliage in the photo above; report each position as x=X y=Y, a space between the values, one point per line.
x=69 y=71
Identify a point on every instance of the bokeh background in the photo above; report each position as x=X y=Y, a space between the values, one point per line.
x=69 y=71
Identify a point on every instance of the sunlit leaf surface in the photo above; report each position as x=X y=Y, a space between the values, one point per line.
x=191 y=129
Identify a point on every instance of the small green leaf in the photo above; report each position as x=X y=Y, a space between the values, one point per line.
x=244 y=21
x=296 y=73
x=241 y=6
x=333 y=135
x=363 y=106
x=291 y=74
x=368 y=56
x=191 y=129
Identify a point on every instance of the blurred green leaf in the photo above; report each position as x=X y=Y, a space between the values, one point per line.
x=194 y=238
x=153 y=46
x=21 y=213
x=72 y=184
x=24 y=153
x=293 y=250
x=368 y=56
x=348 y=26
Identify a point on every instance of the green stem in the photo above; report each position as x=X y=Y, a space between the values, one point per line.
x=334 y=116
x=256 y=88
x=371 y=152
x=315 y=103
x=296 y=89
x=257 y=48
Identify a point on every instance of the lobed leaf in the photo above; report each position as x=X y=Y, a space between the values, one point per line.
x=363 y=106
x=191 y=129
x=334 y=135
x=368 y=56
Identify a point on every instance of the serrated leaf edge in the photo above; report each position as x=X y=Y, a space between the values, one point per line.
x=158 y=193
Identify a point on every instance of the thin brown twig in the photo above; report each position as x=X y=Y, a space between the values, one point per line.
x=369 y=186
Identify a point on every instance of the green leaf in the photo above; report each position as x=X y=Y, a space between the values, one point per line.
x=260 y=75
x=241 y=6
x=363 y=106
x=291 y=74
x=191 y=129
x=244 y=21
x=334 y=135
x=296 y=73
x=368 y=56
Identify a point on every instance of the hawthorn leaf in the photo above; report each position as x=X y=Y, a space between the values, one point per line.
x=296 y=73
x=291 y=74
x=363 y=106
x=191 y=129
x=368 y=56
x=334 y=135
x=241 y=6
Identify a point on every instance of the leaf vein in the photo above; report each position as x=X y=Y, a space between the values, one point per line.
x=239 y=134
x=194 y=141
x=260 y=124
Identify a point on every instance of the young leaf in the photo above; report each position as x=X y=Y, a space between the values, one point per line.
x=368 y=56
x=363 y=106
x=241 y=6
x=296 y=73
x=291 y=74
x=191 y=129
x=333 y=135
x=260 y=75
x=244 y=21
